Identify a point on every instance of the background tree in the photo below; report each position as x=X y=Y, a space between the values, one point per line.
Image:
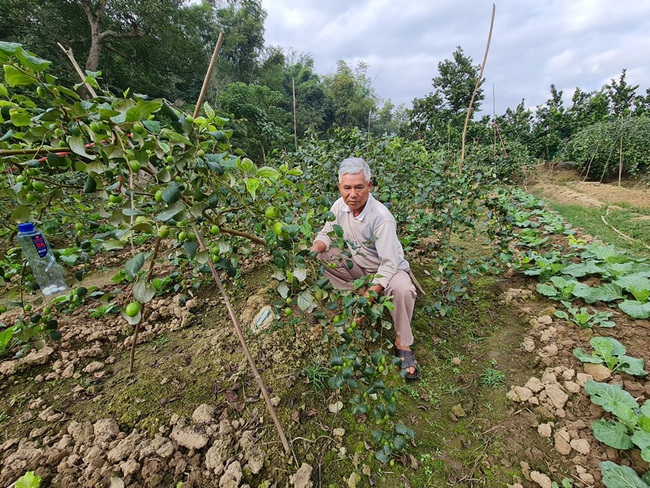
x=258 y=119
x=552 y=126
x=157 y=47
x=243 y=24
x=351 y=94
x=621 y=96
x=439 y=117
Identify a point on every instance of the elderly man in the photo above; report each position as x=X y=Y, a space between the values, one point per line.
x=371 y=233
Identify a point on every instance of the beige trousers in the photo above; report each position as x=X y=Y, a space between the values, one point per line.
x=400 y=287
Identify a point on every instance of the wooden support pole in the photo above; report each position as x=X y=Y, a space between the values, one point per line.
x=244 y=345
x=295 y=123
x=208 y=75
x=478 y=84
x=68 y=53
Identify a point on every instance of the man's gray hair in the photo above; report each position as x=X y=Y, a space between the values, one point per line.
x=352 y=166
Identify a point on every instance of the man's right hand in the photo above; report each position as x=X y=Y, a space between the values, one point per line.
x=318 y=247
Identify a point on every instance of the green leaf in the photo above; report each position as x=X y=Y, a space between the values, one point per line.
x=631 y=365
x=383 y=456
x=8 y=48
x=604 y=293
x=615 y=476
x=28 y=480
x=78 y=146
x=247 y=166
x=604 y=253
x=134 y=265
x=400 y=443
x=612 y=433
x=641 y=439
x=15 y=77
x=635 y=309
x=32 y=62
x=638 y=285
x=171 y=213
x=578 y=270
x=402 y=429
x=173 y=136
x=21 y=214
x=546 y=290
x=20 y=118
x=252 y=184
x=610 y=397
x=143 y=292
x=190 y=248
x=142 y=110
x=5 y=338
x=580 y=353
x=112 y=244
x=607 y=346
x=268 y=173
x=172 y=193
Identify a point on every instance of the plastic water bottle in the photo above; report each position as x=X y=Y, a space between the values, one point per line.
x=48 y=273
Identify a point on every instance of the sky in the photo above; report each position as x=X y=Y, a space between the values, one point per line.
x=535 y=43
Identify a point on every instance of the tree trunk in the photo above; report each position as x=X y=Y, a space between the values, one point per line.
x=94 y=15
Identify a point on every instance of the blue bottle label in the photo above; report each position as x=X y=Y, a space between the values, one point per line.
x=40 y=245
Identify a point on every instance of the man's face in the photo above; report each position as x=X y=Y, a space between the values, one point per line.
x=355 y=190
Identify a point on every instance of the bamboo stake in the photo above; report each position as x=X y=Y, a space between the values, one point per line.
x=222 y=291
x=620 y=164
x=295 y=123
x=68 y=53
x=208 y=75
x=478 y=84
x=244 y=345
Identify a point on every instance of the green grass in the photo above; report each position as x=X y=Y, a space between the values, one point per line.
x=634 y=222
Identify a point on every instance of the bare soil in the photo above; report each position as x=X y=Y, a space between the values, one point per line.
x=192 y=412
x=566 y=186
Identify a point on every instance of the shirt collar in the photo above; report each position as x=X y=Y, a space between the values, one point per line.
x=363 y=213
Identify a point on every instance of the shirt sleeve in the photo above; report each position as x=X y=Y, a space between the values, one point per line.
x=388 y=246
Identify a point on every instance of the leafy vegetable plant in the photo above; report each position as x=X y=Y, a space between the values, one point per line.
x=28 y=480
x=583 y=319
x=616 y=476
x=610 y=352
x=638 y=284
x=632 y=425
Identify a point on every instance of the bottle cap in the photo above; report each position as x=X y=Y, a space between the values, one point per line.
x=26 y=227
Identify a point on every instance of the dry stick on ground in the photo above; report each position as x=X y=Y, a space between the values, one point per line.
x=68 y=53
x=208 y=75
x=244 y=345
x=156 y=247
x=478 y=84
x=624 y=236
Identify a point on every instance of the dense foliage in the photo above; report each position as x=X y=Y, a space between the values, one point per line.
x=142 y=172
x=111 y=173
x=605 y=148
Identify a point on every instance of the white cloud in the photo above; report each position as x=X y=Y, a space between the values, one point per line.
x=577 y=43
